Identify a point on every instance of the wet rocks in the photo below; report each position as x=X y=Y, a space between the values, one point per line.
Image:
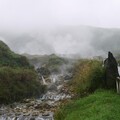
x=45 y=114
x=35 y=108
x=68 y=77
x=52 y=87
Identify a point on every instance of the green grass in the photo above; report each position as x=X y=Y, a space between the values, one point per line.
x=102 y=105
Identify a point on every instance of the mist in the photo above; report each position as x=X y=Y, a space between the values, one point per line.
x=61 y=27
x=84 y=41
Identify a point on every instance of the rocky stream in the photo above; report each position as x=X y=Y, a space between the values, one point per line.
x=42 y=108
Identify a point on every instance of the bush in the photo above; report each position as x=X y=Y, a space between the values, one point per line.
x=88 y=76
x=18 y=83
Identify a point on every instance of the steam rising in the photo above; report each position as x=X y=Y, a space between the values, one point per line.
x=83 y=41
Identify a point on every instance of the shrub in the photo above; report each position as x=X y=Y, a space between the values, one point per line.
x=18 y=83
x=88 y=75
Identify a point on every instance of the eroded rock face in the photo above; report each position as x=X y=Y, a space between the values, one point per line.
x=111 y=71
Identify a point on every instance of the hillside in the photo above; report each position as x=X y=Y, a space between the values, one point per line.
x=9 y=58
x=18 y=80
x=52 y=62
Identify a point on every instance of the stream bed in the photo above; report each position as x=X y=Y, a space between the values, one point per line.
x=42 y=108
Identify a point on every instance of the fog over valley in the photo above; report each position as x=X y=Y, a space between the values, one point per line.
x=84 y=41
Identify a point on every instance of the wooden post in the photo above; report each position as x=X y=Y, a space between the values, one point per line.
x=118 y=85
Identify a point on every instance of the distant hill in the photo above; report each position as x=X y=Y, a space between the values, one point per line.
x=51 y=62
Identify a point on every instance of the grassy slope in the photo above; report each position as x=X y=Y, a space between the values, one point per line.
x=102 y=105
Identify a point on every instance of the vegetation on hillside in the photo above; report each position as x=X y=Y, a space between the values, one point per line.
x=18 y=80
x=9 y=58
x=55 y=62
x=51 y=62
x=88 y=76
x=102 y=105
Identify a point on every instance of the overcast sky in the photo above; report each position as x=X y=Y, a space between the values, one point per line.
x=24 y=25
x=27 y=14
